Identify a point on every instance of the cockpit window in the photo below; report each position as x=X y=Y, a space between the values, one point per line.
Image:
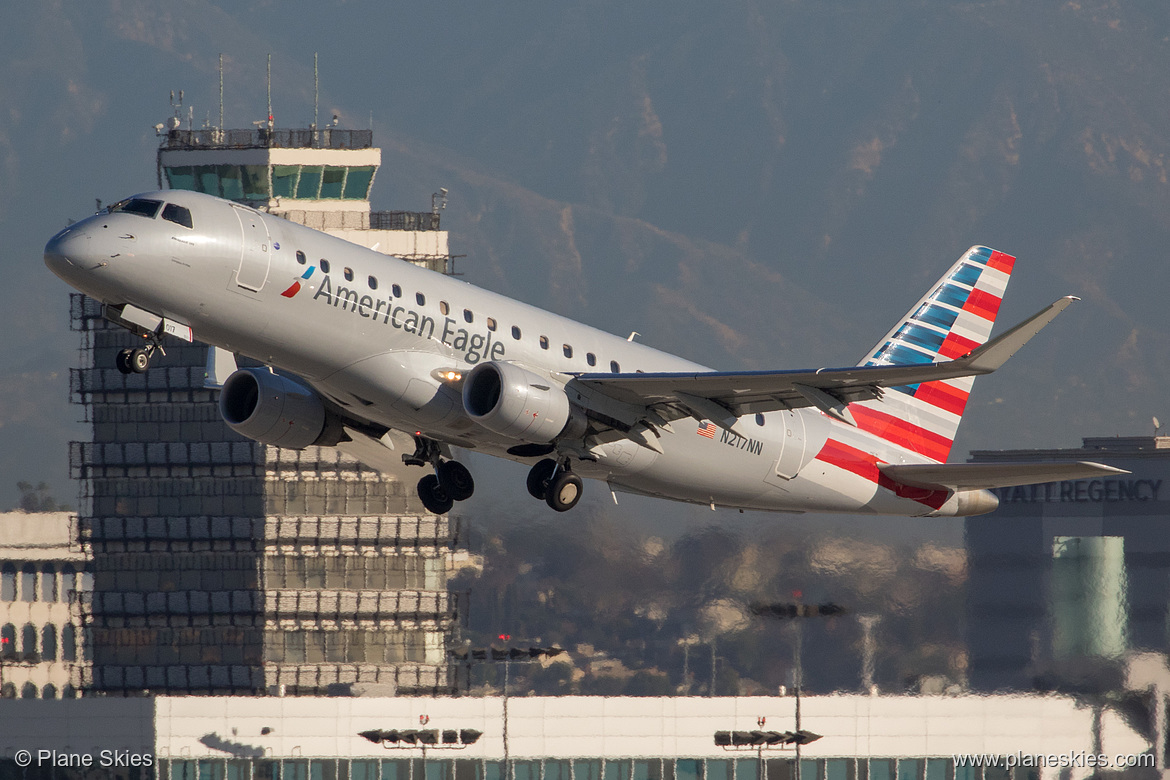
x=177 y=214
x=143 y=207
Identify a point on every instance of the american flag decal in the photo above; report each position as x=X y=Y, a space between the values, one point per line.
x=706 y=429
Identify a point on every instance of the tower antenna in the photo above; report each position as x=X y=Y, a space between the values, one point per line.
x=221 y=90
x=270 y=91
x=316 y=95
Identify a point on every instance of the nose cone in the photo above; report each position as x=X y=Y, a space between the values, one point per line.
x=59 y=250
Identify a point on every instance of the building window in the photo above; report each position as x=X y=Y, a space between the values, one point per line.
x=8 y=583
x=68 y=642
x=28 y=691
x=8 y=639
x=515 y=333
x=48 y=583
x=49 y=691
x=49 y=644
x=301 y=257
x=28 y=639
x=28 y=583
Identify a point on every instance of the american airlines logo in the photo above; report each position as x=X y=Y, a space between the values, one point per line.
x=296 y=285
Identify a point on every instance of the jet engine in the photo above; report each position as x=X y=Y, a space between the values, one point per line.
x=518 y=404
x=274 y=410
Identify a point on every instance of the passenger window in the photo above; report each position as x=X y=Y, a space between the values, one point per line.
x=373 y=283
x=614 y=367
x=349 y=274
x=467 y=316
x=590 y=358
x=544 y=342
x=177 y=214
x=567 y=350
x=444 y=308
x=420 y=299
x=515 y=333
x=301 y=257
x=491 y=323
x=324 y=266
x=760 y=420
x=397 y=290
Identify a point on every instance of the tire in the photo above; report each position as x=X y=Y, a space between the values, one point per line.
x=139 y=361
x=122 y=361
x=538 y=478
x=455 y=480
x=432 y=495
x=564 y=491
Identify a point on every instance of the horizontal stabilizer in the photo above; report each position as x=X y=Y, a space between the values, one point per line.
x=976 y=476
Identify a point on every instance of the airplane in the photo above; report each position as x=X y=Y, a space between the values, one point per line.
x=354 y=345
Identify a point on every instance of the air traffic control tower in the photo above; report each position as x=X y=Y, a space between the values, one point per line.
x=225 y=566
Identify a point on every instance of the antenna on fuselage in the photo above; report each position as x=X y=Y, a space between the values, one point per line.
x=632 y=334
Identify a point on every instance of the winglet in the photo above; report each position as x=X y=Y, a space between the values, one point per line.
x=990 y=356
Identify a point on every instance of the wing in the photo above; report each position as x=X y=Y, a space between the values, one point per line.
x=974 y=476
x=722 y=397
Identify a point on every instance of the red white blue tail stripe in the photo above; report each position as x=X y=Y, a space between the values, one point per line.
x=950 y=321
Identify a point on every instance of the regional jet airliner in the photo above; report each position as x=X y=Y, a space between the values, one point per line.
x=355 y=344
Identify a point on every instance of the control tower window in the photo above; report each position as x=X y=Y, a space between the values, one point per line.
x=333 y=182
x=284 y=180
x=140 y=206
x=180 y=215
x=310 y=182
x=357 y=182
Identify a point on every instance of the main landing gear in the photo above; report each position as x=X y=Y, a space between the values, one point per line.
x=450 y=482
x=554 y=484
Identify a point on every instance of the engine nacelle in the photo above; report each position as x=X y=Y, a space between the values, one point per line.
x=273 y=409
x=516 y=403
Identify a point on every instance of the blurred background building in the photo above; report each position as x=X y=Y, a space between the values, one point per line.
x=1066 y=578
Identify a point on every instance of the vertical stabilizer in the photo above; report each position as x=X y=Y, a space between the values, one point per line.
x=955 y=317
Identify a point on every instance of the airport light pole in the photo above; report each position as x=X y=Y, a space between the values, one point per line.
x=796 y=611
x=505 y=655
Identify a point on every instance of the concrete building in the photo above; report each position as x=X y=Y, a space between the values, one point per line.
x=1067 y=578
x=42 y=580
x=567 y=738
x=225 y=566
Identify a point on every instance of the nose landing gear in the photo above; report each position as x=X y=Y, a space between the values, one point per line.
x=134 y=361
x=450 y=482
x=555 y=484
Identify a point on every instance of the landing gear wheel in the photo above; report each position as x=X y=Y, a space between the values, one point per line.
x=139 y=361
x=455 y=480
x=538 y=478
x=564 y=491
x=122 y=361
x=432 y=495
